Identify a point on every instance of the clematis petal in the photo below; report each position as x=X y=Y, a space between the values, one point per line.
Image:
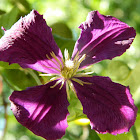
x=102 y=37
x=28 y=42
x=108 y=105
x=42 y=109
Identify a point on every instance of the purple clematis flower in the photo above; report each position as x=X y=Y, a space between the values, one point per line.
x=43 y=109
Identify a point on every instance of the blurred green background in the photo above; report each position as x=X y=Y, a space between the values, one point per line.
x=64 y=16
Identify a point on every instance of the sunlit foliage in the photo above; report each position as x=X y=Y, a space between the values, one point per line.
x=64 y=16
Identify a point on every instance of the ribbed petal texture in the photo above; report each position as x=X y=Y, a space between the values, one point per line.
x=42 y=109
x=28 y=42
x=102 y=37
x=108 y=105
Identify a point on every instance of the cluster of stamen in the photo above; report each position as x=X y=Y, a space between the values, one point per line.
x=69 y=71
x=70 y=67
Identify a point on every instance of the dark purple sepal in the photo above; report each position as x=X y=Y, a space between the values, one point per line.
x=108 y=105
x=27 y=43
x=102 y=37
x=42 y=109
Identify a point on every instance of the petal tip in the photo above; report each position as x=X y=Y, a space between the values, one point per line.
x=91 y=18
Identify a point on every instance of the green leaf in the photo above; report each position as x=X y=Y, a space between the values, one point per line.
x=134 y=132
x=22 y=5
x=2 y=12
x=113 y=137
x=134 y=79
x=93 y=135
x=18 y=79
x=118 y=70
x=136 y=98
x=75 y=108
x=8 y=19
x=64 y=43
x=137 y=125
x=61 y=29
x=7 y=66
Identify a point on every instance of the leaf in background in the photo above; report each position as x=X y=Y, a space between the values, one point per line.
x=18 y=79
x=64 y=43
x=113 y=137
x=118 y=70
x=22 y=5
x=134 y=79
x=137 y=125
x=7 y=66
x=61 y=29
x=75 y=108
x=93 y=135
x=136 y=98
x=2 y=12
x=8 y=19
x=1 y=86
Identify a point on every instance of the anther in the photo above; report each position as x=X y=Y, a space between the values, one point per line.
x=69 y=64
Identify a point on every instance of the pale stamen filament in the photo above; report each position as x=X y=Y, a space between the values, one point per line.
x=66 y=55
x=72 y=87
x=55 y=78
x=67 y=90
x=76 y=56
x=78 y=62
x=87 y=73
x=52 y=68
x=53 y=61
x=62 y=60
x=59 y=81
x=85 y=68
x=54 y=56
x=82 y=58
x=68 y=71
x=83 y=74
x=80 y=81
x=62 y=84
x=45 y=74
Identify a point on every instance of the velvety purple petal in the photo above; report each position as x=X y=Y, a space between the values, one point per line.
x=108 y=105
x=42 y=109
x=27 y=43
x=102 y=37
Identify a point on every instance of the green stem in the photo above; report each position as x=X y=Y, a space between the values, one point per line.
x=9 y=84
x=33 y=74
x=5 y=116
x=85 y=134
x=134 y=133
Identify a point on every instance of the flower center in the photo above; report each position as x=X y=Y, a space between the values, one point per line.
x=69 y=71
x=69 y=64
x=70 y=67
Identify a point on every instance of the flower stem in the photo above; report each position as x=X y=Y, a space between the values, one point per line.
x=33 y=74
x=5 y=116
x=85 y=134
x=134 y=133
x=9 y=84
